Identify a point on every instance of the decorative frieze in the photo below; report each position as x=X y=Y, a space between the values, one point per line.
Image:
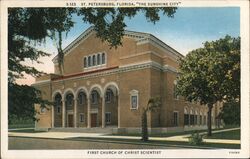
x=124 y=68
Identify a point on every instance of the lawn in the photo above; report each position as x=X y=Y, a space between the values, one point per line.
x=230 y=135
x=15 y=126
x=168 y=134
x=21 y=123
x=159 y=143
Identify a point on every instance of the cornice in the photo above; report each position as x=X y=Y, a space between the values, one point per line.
x=121 y=69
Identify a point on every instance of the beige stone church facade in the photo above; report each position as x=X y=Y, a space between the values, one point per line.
x=104 y=87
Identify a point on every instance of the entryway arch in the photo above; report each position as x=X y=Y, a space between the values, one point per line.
x=95 y=112
x=111 y=94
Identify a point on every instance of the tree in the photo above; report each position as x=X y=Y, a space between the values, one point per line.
x=153 y=104
x=230 y=113
x=25 y=96
x=211 y=74
x=28 y=27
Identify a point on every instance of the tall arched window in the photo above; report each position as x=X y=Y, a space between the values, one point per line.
x=94 y=60
x=98 y=59
x=89 y=61
x=81 y=98
x=69 y=100
x=109 y=95
x=58 y=103
x=103 y=58
x=85 y=62
x=94 y=97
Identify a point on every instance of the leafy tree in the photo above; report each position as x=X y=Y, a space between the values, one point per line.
x=153 y=104
x=230 y=113
x=211 y=74
x=29 y=27
x=25 y=96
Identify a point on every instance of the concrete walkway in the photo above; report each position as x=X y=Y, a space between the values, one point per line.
x=68 y=135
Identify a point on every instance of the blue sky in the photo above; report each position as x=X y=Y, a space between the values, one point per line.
x=188 y=30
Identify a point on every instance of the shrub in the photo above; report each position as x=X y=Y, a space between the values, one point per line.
x=196 y=139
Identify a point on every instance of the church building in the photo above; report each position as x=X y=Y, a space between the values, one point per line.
x=108 y=87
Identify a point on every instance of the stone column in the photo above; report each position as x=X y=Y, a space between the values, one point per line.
x=63 y=113
x=52 y=116
x=89 y=114
x=103 y=112
x=75 y=112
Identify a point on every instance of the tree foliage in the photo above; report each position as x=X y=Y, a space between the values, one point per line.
x=29 y=27
x=230 y=113
x=21 y=100
x=211 y=74
x=153 y=104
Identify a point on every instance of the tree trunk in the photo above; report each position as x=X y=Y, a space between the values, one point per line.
x=144 y=126
x=60 y=53
x=209 y=123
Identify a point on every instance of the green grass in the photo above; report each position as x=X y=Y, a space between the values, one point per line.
x=15 y=126
x=168 y=134
x=159 y=143
x=230 y=135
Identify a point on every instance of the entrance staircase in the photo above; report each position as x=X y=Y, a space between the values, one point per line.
x=106 y=130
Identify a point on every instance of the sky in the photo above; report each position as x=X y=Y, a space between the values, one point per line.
x=188 y=30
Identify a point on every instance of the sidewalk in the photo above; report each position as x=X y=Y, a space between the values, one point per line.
x=68 y=135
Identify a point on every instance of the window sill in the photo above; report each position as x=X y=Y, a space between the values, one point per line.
x=134 y=108
x=90 y=68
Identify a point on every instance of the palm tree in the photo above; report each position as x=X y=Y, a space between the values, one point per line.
x=153 y=104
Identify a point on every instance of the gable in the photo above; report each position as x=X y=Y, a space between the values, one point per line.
x=139 y=37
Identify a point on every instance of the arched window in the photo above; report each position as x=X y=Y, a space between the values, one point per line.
x=134 y=95
x=58 y=99
x=94 y=60
x=69 y=100
x=85 y=62
x=103 y=58
x=58 y=102
x=89 y=61
x=81 y=98
x=98 y=59
x=109 y=95
x=94 y=97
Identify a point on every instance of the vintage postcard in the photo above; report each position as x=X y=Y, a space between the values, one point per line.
x=124 y=79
